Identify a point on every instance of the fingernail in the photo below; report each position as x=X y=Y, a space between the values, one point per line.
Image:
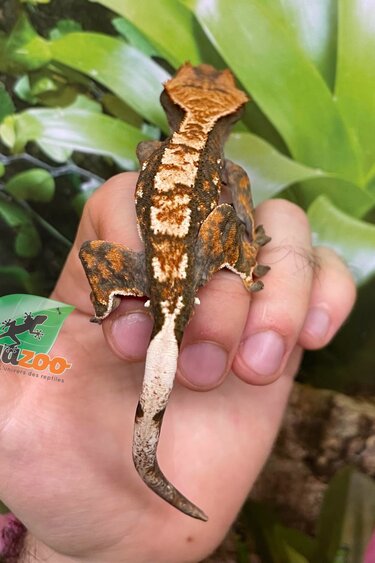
x=263 y=352
x=203 y=363
x=317 y=323
x=131 y=334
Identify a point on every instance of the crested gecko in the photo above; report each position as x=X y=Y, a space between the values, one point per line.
x=188 y=236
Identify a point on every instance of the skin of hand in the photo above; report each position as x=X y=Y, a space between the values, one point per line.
x=66 y=468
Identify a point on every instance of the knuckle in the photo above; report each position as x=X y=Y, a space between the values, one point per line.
x=278 y=319
x=284 y=207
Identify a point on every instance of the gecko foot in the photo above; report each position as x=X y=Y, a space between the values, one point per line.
x=256 y=286
x=261 y=238
x=261 y=270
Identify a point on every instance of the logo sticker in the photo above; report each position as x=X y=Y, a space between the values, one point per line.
x=29 y=326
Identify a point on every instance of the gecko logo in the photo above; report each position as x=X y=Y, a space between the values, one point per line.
x=15 y=350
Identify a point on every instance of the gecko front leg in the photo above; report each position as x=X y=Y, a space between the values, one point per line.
x=112 y=270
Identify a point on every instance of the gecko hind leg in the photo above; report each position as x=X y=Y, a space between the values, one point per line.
x=223 y=241
x=112 y=270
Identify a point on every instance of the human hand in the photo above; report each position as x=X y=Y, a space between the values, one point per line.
x=66 y=468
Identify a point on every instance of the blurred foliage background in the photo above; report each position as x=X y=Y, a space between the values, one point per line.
x=79 y=88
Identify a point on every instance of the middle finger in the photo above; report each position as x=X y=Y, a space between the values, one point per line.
x=277 y=313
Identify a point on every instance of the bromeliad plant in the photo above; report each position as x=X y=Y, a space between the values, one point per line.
x=308 y=135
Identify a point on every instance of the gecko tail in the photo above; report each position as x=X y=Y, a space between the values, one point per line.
x=157 y=482
x=160 y=370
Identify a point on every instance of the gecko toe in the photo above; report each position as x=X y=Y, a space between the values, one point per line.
x=261 y=270
x=256 y=286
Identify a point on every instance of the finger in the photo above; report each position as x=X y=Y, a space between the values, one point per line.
x=213 y=334
x=211 y=343
x=109 y=214
x=278 y=312
x=332 y=298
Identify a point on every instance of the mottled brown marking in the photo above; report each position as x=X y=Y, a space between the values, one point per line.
x=158 y=416
x=96 y=244
x=169 y=253
x=171 y=212
x=187 y=236
x=105 y=264
x=139 y=412
x=89 y=259
x=116 y=259
x=103 y=269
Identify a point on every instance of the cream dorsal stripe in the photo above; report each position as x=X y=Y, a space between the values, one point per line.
x=188 y=236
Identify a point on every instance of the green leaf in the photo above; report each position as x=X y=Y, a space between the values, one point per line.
x=64 y=27
x=355 y=82
x=314 y=25
x=274 y=542
x=22 y=89
x=352 y=239
x=24 y=49
x=42 y=84
x=75 y=129
x=118 y=108
x=347 y=518
x=2 y=169
x=55 y=152
x=280 y=77
x=12 y=214
x=270 y=172
x=6 y=104
x=27 y=243
x=15 y=306
x=123 y=69
x=29 y=87
x=345 y=195
x=166 y=23
x=16 y=278
x=34 y=185
x=7 y=131
x=134 y=36
x=298 y=542
x=35 y=2
x=371 y=182
x=86 y=103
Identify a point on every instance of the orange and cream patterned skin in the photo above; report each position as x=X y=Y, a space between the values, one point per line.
x=187 y=235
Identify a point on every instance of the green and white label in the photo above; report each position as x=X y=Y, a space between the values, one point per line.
x=31 y=322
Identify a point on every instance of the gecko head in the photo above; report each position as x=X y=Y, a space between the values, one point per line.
x=204 y=90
